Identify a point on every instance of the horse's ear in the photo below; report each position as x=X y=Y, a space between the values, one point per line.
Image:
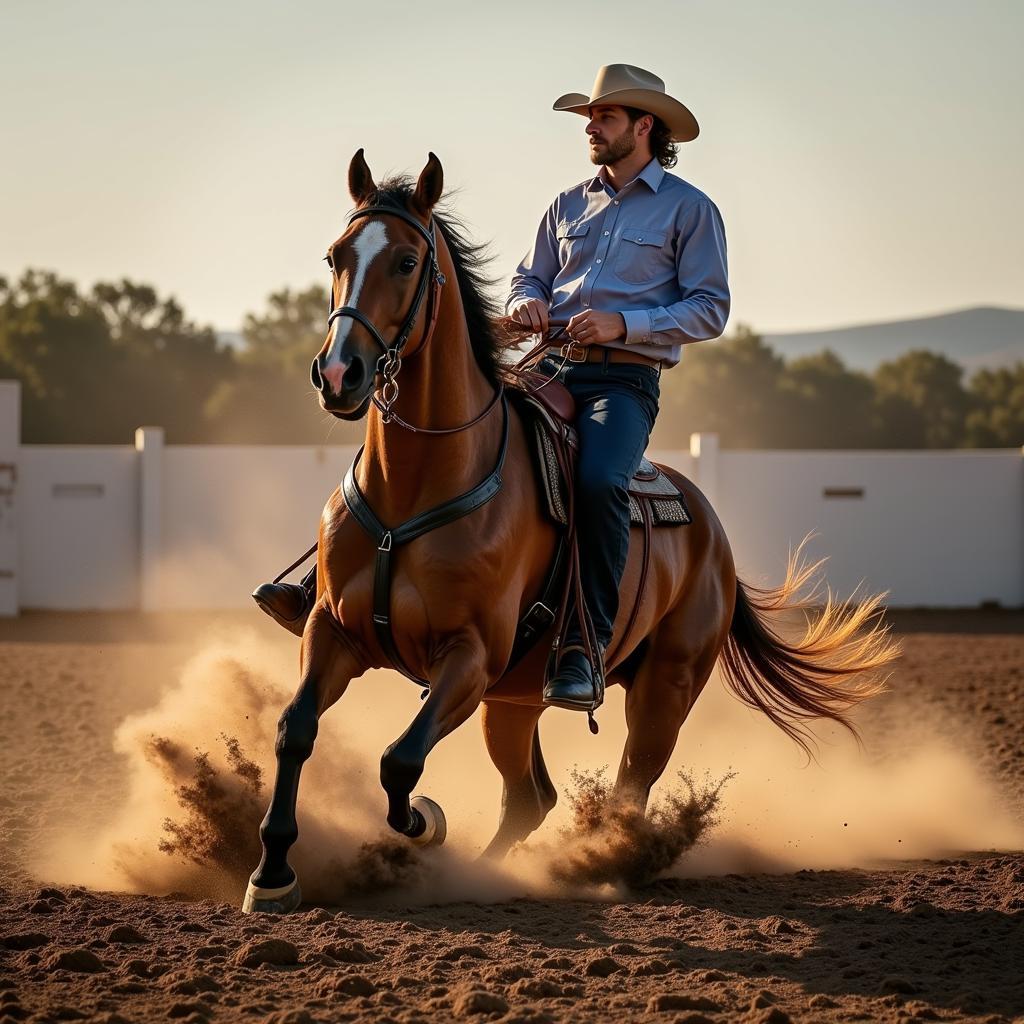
x=360 y=180
x=429 y=187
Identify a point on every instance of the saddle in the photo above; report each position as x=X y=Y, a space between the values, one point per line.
x=551 y=410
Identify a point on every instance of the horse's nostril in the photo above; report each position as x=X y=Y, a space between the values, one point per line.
x=338 y=378
x=354 y=375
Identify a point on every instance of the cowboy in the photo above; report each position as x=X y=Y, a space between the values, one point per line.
x=633 y=262
x=634 y=259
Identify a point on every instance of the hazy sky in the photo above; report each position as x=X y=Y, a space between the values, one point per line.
x=867 y=156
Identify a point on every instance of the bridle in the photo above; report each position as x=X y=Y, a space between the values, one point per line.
x=390 y=360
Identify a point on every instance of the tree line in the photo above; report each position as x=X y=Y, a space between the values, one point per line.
x=96 y=364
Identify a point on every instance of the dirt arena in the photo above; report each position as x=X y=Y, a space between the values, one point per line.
x=884 y=883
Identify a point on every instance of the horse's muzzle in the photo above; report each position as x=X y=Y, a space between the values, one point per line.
x=342 y=386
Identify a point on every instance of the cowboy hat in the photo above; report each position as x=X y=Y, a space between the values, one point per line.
x=629 y=86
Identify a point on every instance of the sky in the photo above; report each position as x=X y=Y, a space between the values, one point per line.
x=866 y=156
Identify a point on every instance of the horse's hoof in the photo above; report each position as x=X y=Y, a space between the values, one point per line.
x=271 y=901
x=436 y=826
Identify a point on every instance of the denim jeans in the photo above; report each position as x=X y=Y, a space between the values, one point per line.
x=616 y=406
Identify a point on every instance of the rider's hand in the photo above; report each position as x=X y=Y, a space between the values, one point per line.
x=533 y=313
x=594 y=328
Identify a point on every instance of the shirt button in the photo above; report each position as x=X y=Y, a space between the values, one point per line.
x=615 y=202
x=607 y=233
x=598 y=261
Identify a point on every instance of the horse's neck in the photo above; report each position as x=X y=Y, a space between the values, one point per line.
x=440 y=386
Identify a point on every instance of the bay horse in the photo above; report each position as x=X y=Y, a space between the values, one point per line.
x=408 y=294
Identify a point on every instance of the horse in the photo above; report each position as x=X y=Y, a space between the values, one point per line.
x=413 y=344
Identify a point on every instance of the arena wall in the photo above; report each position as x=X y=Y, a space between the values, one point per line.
x=934 y=528
x=78 y=526
x=157 y=526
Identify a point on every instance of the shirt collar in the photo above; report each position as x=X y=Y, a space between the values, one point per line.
x=651 y=176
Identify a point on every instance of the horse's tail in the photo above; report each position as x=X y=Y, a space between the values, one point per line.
x=832 y=668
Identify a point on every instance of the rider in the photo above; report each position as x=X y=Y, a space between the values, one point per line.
x=632 y=262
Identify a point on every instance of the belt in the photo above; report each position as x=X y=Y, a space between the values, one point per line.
x=601 y=354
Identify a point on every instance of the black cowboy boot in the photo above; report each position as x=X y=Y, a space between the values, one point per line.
x=288 y=604
x=573 y=685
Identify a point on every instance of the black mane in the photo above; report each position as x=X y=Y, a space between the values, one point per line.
x=470 y=261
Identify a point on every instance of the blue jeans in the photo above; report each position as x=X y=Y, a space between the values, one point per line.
x=616 y=406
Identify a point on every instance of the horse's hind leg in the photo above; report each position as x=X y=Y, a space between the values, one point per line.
x=513 y=741
x=327 y=668
x=682 y=655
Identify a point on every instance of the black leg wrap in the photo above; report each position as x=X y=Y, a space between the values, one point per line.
x=418 y=826
x=398 y=776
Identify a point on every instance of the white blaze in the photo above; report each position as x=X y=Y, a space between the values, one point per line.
x=369 y=243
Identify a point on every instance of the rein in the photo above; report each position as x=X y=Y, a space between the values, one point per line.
x=540 y=349
x=443 y=430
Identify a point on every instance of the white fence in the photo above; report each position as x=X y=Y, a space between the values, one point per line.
x=155 y=527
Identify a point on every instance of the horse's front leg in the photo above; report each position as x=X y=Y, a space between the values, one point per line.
x=328 y=666
x=458 y=682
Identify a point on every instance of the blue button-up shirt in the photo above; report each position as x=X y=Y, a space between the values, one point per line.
x=653 y=251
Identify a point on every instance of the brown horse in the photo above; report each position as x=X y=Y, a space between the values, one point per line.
x=458 y=591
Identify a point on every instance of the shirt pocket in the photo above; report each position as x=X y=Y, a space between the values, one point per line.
x=572 y=238
x=642 y=255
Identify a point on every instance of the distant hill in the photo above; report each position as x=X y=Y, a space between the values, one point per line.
x=986 y=336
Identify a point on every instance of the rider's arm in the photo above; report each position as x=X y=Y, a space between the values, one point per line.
x=702 y=271
x=534 y=276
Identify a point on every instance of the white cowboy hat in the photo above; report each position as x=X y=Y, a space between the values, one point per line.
x=629 y=86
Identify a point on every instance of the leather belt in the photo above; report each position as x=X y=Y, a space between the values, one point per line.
x=601 y=354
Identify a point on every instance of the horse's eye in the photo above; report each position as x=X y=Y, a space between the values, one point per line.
x=408 y=265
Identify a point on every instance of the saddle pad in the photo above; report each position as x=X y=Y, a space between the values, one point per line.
x=666 y=504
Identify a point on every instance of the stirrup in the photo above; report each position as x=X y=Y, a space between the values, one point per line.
x=596 y=683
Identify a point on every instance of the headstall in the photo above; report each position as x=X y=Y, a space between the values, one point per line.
x=390 y=361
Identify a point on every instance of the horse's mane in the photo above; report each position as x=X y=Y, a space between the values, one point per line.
x=470 y=259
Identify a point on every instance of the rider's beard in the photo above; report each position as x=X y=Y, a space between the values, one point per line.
x=617 y=149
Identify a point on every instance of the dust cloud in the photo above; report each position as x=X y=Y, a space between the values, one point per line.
x=195 y=772
x=610 y=842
